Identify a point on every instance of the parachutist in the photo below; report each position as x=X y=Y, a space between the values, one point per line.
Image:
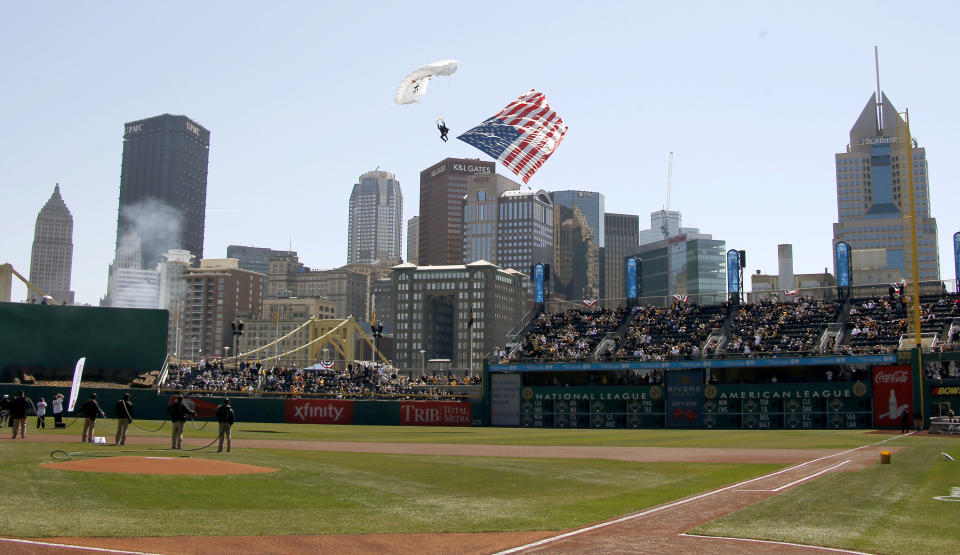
x=443 y=130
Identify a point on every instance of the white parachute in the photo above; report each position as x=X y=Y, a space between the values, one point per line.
x=414 y=85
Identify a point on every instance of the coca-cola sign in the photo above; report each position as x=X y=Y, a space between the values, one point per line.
x=892 y=396
x=897 y=376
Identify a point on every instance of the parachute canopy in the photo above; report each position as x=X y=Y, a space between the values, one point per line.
x=414 y=85
x=522 y=136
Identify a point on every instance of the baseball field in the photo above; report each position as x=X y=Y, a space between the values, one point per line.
x=306 y=488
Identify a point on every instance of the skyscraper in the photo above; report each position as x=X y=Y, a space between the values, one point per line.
x=524 y=231
x=480 y=216
x=442 y=187
x=163 y=186
x=52 y=256
x=621 y=232
x=872 y=192
x=692 y=264
x=413 y=239
x=579 y=234
x=376 y=219
x=576 y=256
x=590 y=205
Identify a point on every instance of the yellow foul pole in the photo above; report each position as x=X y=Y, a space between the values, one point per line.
x=914 y=257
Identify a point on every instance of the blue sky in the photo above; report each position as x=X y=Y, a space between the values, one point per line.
x=753 y=98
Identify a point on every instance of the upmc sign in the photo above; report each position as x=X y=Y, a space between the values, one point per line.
x=892 y=394
x=318 y=411
x=435 y=413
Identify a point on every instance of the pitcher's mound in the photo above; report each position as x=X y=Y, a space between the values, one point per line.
x=159 y=465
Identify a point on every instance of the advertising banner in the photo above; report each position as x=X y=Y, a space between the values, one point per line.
x=684 y=391
x=956 y=258
x=733 y=271
x=318 y=411
x=435 y=413
x=203 y=408
x=75 y=386
x=538 y=284
x=505 y=399
x=632 y=278
x=843 y=264
x=892 y=394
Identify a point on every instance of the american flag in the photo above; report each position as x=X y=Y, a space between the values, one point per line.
x=326 y=364
x=790 y=292
x=681 y=298
x=589 y=302
x=522 y=136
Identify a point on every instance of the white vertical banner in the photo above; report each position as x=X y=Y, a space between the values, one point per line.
x=75 y=387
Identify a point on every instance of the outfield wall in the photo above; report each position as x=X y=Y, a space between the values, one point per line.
x=150 y=406
x=47 y=340
x=686 y=395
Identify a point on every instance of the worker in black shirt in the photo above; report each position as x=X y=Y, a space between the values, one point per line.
x=90 y=411
x=225 y=418
x=178 y=417
x=18 y=414
x=124 y=410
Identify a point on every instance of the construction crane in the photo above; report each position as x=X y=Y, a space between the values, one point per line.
x=665 y=227
x=6 y=271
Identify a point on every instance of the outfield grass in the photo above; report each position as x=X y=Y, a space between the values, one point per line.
x=761 y=439
x=883 y=509
x=339 y=493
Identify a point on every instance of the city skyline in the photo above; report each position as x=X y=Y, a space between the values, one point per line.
x=754 y=102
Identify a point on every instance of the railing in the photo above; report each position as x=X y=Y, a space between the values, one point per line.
x=927 y=341
x=945 y=425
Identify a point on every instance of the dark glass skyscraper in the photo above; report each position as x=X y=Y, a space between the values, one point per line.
x=163 y=186
x=579 y=234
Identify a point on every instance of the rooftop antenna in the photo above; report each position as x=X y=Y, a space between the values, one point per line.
x=879 y=101
x=665 y=226
x=666 y=204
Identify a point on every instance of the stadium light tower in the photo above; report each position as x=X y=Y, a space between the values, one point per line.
x=377 y=330
x=237 y=328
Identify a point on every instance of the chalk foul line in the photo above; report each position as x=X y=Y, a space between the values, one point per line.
x=684 y=501
x=77 y=547
x=772 y=542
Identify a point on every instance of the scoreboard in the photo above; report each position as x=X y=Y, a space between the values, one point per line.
x=830 y=405
x=592 y=407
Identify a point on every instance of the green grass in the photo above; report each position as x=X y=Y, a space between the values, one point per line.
x=883 y=509
x=338 y=493
x=762 y=439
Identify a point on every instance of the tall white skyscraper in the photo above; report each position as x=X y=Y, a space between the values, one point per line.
x=376 y=219
x=52 y=255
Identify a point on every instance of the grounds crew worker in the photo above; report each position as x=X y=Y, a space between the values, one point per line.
x=90 y=411
x=225 y=418
x=124 y=410
x=178 y=417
